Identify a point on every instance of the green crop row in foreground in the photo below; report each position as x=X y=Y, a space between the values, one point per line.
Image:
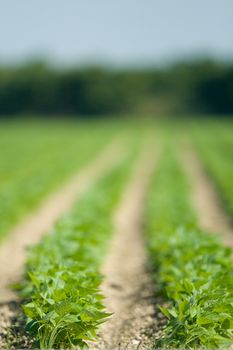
x=193 y=269
x=64 y=305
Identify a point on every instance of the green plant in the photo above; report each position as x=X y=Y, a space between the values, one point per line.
x=62 y=285
x=193 y=269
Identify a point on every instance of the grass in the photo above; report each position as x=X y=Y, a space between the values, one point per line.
x=193 y=269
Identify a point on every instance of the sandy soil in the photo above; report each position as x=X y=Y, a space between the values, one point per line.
x=128 y=285
x=210 y=213
x=30 y=231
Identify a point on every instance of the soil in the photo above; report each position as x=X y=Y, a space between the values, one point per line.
x=30 y=231
x=12 y=334
x=210 y=212
x=129 y=290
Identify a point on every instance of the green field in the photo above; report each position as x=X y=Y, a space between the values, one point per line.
x=63 y=303
x=38 y=157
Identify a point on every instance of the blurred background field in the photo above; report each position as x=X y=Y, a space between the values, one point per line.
x=73 y=76
x=76 y=75
x=38 y=156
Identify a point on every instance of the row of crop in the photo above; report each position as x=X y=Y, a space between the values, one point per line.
x=193 y=270
x=62 y=285
x=214 y=143
x=36 y=158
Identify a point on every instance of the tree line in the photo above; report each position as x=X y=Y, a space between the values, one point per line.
x=200 y=87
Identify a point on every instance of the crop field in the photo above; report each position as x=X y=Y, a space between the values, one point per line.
x=116 y=234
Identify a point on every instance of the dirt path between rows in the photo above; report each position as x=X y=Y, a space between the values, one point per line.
x=128 y=287
x=209 y=210
x=12 y=251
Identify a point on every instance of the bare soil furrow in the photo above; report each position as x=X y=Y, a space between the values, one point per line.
x=128 y=287
x=210 y=212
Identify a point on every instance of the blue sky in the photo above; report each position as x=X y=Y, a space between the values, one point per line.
x=118 y=31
